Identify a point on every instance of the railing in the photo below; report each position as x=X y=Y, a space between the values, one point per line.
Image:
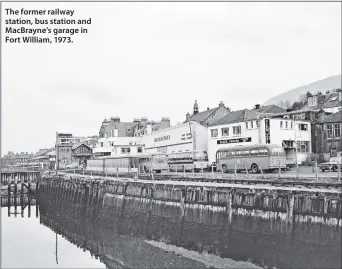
x=21 y=169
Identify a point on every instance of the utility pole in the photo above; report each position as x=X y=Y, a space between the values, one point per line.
x=57 y=149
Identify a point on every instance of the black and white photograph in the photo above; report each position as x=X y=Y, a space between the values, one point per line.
x=171 y=134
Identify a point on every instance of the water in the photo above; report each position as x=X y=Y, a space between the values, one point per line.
x=66 y=233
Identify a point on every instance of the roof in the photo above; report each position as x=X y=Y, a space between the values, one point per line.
x=236 y=116
x=201 y=116
x=76 y=145
x=254 y=146
x=269 y=109
x=336 y=117
x=329 y=100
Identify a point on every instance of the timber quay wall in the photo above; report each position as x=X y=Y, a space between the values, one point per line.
x=290 y=204
x=277 y=227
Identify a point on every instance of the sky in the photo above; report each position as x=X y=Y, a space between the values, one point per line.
x=155 y=59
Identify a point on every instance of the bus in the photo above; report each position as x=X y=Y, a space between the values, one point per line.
x=130 y=163
x=188 y=160
x=253 y=157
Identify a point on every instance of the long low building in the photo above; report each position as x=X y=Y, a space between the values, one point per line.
x=185 y=137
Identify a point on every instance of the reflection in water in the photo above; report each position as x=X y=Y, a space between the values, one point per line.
x=114 y=232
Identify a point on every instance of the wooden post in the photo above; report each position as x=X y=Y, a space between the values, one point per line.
x=262 y=172
x=290 y=207
x=235 y=168
x=193 y=170
x=202 y=171
x=117 y=172
x=29 y=208
x=316 y=168
x=229 y=206
x=339 y=170
x=183 y=170
x=212 y=168
x=246 y=170
x=182 y=203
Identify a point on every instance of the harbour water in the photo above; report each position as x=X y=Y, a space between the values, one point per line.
x=67 y=234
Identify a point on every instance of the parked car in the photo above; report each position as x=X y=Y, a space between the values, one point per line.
x=334 y=163
x=74 y=166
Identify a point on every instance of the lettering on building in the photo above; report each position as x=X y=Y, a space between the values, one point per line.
x=238 y=140
x=267 y=131
x=162 y=138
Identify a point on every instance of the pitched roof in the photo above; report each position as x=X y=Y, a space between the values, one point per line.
x=336 y=117
x=76 y=145
x=325 y=100
x=201 y=116
x=236 y=116
x=269 y=109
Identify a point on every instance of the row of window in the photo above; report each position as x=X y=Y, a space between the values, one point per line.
x=303 y=146
x=242 y=153
x=333 y=130
x=251 y=125
x=225 y=131
x=286 y=125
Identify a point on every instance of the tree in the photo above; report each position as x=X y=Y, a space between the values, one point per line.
x=286 y=104
x=319 y=93
x=308 y=94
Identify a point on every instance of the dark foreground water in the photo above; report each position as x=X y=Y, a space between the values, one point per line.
x=68 y=234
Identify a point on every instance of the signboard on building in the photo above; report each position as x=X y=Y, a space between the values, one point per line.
x=238 y=140
x=267 y=131
x=162 y=138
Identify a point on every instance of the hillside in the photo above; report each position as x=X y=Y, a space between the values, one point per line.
x=330 y=83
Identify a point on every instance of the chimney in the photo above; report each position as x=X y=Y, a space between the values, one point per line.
x=288 y=110
x=208 y=108
x=257 y=106
x=195 y=107
x=115 y=119
x=339 y=94
x=321 y=115
x=221 y=103
x=187 y=117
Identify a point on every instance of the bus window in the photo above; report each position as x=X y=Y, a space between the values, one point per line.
x=245 y=153
x=232 y=153
x=238 y=153
x=200 y=156
x=263 y=152
x=254 y=152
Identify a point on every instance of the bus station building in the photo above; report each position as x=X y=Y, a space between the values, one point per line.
x=248 y=127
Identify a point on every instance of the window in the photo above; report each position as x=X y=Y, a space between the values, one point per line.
x=312 y=101
x=245 y=153
x=101 y=144
x=291 y=125
x=257 y=123
x=139 y=149
x=302 y=146
x=237 y=130
x=238 y=153
x=281 y=124
x=263 y=152
x=251 y=124
x=115 y=132
x=225 y=131
x=302 y=126
x=214 y=133
x=329 y=131
x=337 y=130
x=302 y=116
x=246 y=125
x=128 y=129
x=286 y=125
x=254 y=152
x=125 y=150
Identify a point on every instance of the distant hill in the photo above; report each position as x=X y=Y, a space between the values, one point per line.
x=330 y=83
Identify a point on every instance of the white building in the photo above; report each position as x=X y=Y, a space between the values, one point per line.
x=117 y=146
x=245 y=127
x=185 y=137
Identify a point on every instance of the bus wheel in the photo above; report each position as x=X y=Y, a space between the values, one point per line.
x=224 y=168
x=254 y=168
x=334 y=168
